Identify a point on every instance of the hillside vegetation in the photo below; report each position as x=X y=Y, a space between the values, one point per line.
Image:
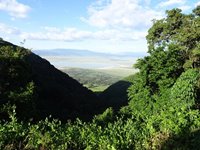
x=163 y=100
x=39 y=89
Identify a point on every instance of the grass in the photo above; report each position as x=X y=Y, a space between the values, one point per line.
x=121 y=72
x=99 y=80
x=98 y=88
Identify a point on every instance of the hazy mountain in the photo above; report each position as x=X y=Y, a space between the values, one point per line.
x=76 y=52
x=68 y=52
x=66 y=58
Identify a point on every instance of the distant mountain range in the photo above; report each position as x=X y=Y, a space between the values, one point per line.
x=62 y=58
x=76 y=52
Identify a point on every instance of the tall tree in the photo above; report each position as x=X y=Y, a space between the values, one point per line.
x=174 y=48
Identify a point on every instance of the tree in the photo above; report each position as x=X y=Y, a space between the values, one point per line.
x=16 y=86
x=174 y=48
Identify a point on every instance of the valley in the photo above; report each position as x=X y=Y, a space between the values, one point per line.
x=98 y=80
x=96 y=71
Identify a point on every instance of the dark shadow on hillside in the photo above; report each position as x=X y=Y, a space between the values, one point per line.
x=184 y=141
x=115 y=96
x=55 y=93
x=98 y=93
x=60 y=95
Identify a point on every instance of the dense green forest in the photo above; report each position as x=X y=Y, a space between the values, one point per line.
x=162 y=111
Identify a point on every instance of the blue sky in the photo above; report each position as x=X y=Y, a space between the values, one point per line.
x=99 y=25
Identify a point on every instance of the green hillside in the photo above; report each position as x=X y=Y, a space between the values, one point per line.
x=116 y=94
x=32 y=83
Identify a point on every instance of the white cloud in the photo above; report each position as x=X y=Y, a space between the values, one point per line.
x=14 y=8
x=51 y=29
x=171 y=2
x=121 y=14
x=74 y=34
x=197 y=4
x=185 y=7
x=120 y=35
x=56 y=34
x=5 y=29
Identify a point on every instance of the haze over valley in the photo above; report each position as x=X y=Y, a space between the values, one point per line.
x=72 y=58
x=95 y=70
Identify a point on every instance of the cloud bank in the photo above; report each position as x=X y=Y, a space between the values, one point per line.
x=121 y=14
x=14 y=8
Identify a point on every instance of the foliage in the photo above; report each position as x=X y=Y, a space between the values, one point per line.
x=105 y=117
x=16 y=86
x=119 y=134
x=165 y=93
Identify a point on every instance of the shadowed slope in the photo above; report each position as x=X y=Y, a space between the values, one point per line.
x=57 y=94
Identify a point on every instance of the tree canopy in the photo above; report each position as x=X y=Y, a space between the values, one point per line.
x=174 y=47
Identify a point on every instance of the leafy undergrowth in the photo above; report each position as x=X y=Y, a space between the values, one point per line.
x=104 y=132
